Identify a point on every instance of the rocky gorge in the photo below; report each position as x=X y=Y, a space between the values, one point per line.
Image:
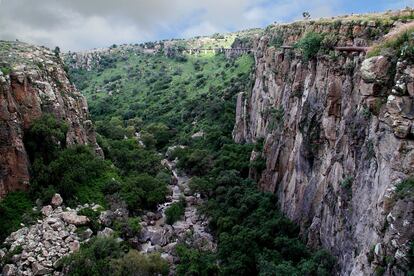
x=338 y=138
x=326 y=105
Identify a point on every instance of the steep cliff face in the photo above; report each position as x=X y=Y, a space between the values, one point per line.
x=33 y=82
x=338 y=137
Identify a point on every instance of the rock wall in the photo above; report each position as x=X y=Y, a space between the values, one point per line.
x=338 y=137
x=33 y=82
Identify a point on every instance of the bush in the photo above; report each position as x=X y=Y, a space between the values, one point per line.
x=277 y=40
x=143 y=191
x=45 y=137
x=6 y=70
x=309 y=45
x=175 y=211
x=405 y=188
x=160 y=132
x=12 y=208
x=77 y=174
x=128 y=228
x=93 y=218
x=136 y=264
x=400 y=44
x=128 y=156
x=93 y=258
x=195 y=162
x=196 y=262
x=201 y=185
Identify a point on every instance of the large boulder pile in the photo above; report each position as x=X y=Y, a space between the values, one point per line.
x=36 y=249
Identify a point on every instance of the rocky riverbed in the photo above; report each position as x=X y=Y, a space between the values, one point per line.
x=158 y=236
x=36 y=249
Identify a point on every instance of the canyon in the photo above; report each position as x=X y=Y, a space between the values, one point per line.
x=334 y=128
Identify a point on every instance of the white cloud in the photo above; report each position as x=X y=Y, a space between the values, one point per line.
x=84 y=24
x=203 y=28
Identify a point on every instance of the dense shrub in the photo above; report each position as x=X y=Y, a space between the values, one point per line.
x=196 y=262
x=45 y=137
x=175 y=211
x=196 y=162
x=12 y=209
x=160 y=132
x=309 y=45
x=405 y=188
x=76 y=173
x=93 y=258
x=400 y=45
x=130 y=157
x=136 y=264
x=143 y=191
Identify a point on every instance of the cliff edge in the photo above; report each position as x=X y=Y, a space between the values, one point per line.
x=33 y=82
x=338 y=132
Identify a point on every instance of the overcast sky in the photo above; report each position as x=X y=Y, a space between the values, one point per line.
x=85 y=24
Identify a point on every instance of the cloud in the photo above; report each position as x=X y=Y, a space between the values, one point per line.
x=80 y=24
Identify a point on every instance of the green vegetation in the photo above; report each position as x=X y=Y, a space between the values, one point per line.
x=106 y=256
x=143 y=191
x=400 y=44
x=405 y=188
x=196 y=262
x=14 y=208
x=277 y=40
x=175 y=211
x=309 y=45
x=6 y=70
x=135 y=263
x=93 y=216
x=166 y=101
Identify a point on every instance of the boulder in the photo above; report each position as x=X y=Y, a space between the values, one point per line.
x=9 y=270
x=106 y=217
x=86 y=234
x=46 y=210
x=56 y=201
x=375 y=69
x=73 y=218
x=106 y=233
x=39 y=269
x=74 y=246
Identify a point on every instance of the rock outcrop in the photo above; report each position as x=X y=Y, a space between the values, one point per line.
x=338 y=138
x=33 y=82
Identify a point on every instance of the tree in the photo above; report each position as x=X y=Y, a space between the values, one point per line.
x=142 y=191
x=56 y=51
x=136 y=264
x=175 y=211
x=306 y=15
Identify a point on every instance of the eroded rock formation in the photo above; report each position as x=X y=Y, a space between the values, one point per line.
x=338 y=137
x=33 y=82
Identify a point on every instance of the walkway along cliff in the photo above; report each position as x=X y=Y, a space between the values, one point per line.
x=338 y=139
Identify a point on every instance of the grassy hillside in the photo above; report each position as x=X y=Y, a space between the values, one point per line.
x=185 y=94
